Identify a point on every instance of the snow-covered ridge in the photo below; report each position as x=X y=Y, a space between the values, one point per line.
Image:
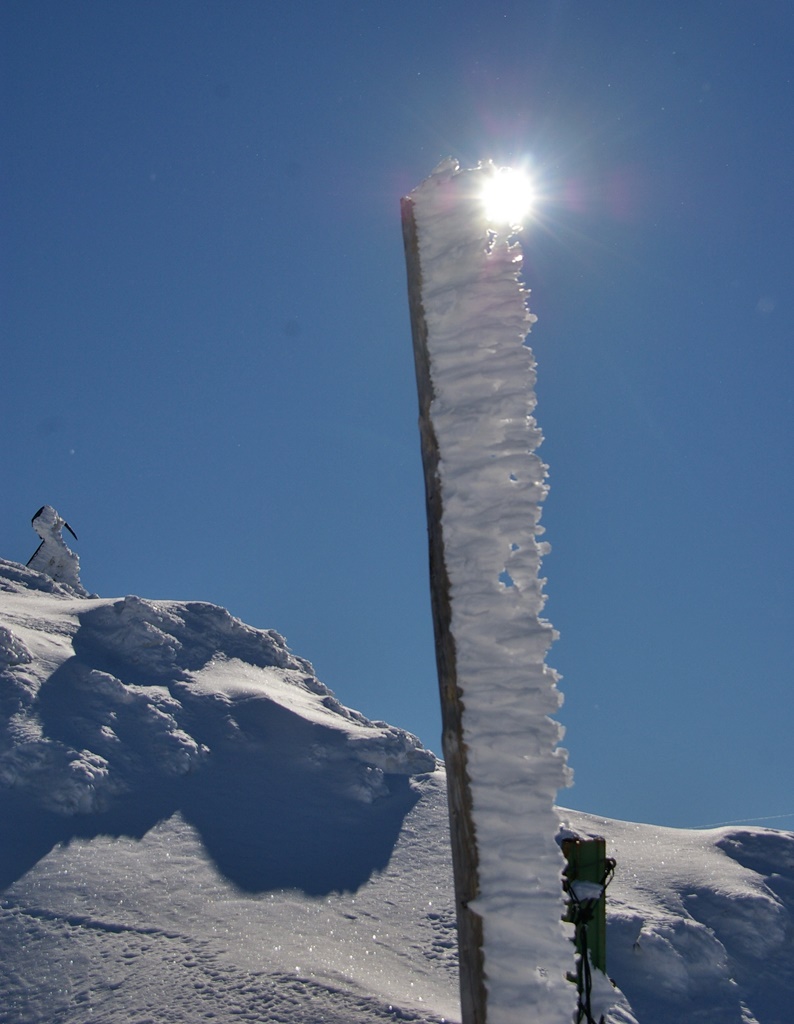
x=102 y=698
x=189 y=834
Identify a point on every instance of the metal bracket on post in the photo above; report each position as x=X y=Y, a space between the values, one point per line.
x=585 y=880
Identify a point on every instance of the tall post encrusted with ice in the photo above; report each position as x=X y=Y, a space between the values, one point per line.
x=484 y=486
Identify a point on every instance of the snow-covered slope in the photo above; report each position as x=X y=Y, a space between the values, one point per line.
x=194 y=829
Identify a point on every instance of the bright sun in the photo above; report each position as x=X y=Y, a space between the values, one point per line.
x=508 y=196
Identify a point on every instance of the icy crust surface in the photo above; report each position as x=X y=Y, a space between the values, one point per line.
x=492 y=484
x=128 y=931
x=103 y=699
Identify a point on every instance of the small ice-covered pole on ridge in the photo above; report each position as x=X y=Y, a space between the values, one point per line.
x=53 y=556
x=484 y=485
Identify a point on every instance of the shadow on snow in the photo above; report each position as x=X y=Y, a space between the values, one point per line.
x=278 y=801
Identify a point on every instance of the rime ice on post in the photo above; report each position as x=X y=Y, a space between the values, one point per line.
x=484 y=486
x=53 y=556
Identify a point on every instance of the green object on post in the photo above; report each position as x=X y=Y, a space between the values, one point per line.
x=585 y=880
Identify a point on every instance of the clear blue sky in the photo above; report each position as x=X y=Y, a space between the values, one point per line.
x=207 y=367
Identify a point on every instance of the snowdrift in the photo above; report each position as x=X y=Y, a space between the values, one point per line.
x=195 y=829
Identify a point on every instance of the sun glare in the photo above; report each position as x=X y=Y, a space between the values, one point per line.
x=508 y=196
